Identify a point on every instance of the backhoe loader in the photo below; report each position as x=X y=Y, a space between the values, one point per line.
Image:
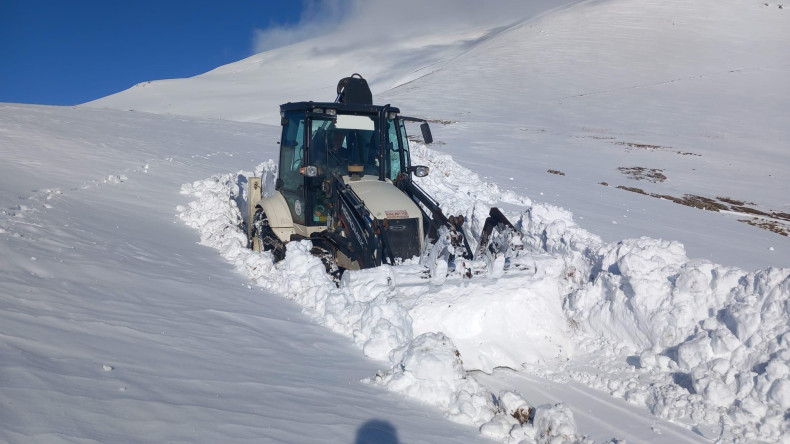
x=346 y=183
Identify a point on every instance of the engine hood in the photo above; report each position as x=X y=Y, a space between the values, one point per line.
x=383 y=199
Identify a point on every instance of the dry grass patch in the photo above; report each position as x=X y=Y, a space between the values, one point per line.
x=632 y=189
x=762 y=219
x=769 y=225
x=653 y=175
x=646 y=146
x=643 y=146
x=441 y=121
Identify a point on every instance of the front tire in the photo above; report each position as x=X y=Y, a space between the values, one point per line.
x=262 y=237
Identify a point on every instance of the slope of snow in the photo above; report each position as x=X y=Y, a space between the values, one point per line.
x=118 y=327
x=97 y=278
x=695 y=342
x=111 y=310
x=693 y=91
x=310 y=70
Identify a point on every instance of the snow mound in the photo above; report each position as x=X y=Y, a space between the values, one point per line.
x=431 y=371
x=719 y=334
x=705 y=344
x=362 y=307
x=555 y=425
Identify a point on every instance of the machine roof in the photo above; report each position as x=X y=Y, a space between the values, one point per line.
x=354 y=108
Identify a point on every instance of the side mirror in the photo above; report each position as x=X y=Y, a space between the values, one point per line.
x=419 y=170
x=426 y=133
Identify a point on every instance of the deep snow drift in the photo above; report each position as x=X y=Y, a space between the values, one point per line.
x=695 y=342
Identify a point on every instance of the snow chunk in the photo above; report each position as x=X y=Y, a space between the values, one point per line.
x=555 y=424
x=431 y=371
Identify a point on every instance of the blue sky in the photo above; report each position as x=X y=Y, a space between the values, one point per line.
x=66 y=52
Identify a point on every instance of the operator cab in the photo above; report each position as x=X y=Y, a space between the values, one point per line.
x=360 y=142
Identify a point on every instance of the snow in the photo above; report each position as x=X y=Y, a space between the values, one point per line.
x=643 y=294
x=120 y=282
x=695 y=89
x=628 y=317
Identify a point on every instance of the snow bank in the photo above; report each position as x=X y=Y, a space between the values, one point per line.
x=719 y=334
x=705 y=344
x=367 y=307
x=714 y=339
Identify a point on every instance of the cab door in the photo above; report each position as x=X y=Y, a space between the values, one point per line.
x=291 y=182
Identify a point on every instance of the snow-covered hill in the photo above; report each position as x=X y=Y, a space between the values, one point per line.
x=116 y=326
x=632 y=309
x=681 y=100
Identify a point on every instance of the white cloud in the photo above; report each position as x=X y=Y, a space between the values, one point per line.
x=360 y=21
x=318 y=17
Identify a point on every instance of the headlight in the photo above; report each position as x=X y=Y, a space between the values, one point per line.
x=309 y=171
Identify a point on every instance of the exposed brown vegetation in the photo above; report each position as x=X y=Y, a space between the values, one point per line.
x=654 y=175
x=643 y=146
x=557 y=172
x=769 y=225
x=632 y=189
x=732 y=201
x=761 y=219
x=647 y=146
x=742 y=209
x=703 y=203
x=780 y=215
x=524 y=416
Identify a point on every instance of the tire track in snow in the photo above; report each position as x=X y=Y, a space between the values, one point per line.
x=44 y=199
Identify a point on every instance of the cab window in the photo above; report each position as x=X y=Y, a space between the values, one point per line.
x=394 y=151
x=292 y=157
x=292 y=151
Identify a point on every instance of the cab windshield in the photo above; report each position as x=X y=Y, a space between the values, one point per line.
x=355 y=140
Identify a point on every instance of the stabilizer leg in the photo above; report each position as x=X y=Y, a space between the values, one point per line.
x=498 y=241
x=254 y=191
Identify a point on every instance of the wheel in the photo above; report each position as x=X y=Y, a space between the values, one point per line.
x=326 y=256
x=262 y=236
